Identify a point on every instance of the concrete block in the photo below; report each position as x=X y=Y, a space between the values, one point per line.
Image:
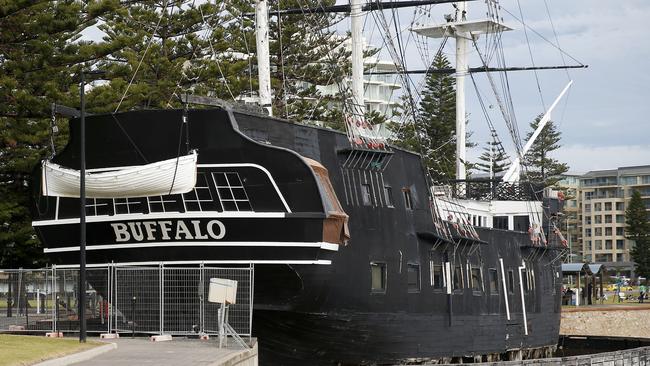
x=54 y=335
x=109 y=336
x=204 y=337
x=161 y=338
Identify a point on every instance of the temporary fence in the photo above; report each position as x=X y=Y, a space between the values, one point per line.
x=164 y=299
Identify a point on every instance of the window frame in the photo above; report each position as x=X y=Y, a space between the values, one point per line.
x=384 y=285
x=418 y=282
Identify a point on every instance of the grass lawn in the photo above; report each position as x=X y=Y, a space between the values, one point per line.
x=28 y=350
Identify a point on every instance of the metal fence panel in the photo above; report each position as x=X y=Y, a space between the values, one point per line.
x=137 y=299
x=26 y=299
x=171 y=300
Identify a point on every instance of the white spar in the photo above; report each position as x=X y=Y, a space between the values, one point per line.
x=512 y=175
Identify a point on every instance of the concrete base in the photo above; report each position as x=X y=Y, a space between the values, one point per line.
x=54 y=335
x=161 y=338
x=109 y=336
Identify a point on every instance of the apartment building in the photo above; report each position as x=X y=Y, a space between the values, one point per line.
x=602 y=197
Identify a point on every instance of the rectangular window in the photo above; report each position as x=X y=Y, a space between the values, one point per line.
x=408 y=201
x=598 y=245
x=522 y=223
x=619 y=257
x=608 y=231
x=597 y=207
x=477 y=279
x=598 y=231
x=494 y=281
x=164 y=203
x=388 y=194
x=588 y=233
x=366 y=194
x=620 y=231
x=588 y=220
x=511 y=281
x=458 y=278
x=413 y=277
x=620 y=206
x=608 y=206
x=587 y=207
x=598 y=219
x=608 y=219
x=500 y=222
x=608 y=244
x=199 y=198
x=127 y=205
x=231 y=191
x=378 y=277
x=620 y=244
x=97 y=207
x=524 y=281
x=620 y=219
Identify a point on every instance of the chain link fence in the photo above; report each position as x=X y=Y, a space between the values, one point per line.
x=155 y=300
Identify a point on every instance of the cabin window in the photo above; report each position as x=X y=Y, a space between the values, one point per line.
x=163 y=204
x=366 y=194
x=477 y=278
x=500 y=222
x=458 y=278
x=97 y=207
x=127 y=205
x=388 y=194
x=494 y=281
x=522 y=223
x=511 y=281
x=413 y=277
x=408 y=201
x=378 y=277
x=231 y=191
x=200 y=198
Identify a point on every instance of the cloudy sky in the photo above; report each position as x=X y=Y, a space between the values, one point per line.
x=604 y=120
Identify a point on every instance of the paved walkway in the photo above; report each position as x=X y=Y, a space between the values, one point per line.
x=179 y=351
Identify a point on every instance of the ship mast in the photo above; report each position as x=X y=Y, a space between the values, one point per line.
x=356 y=30
x=462 y=31
x=263 y=63
x=461 y=71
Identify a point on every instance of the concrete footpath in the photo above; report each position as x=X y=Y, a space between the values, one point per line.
x=603 y=320
x=179 y=351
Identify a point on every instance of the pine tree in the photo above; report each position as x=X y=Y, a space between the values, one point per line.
x=638 y=229
x=40 y=55
x=432 y=134
x=169 y=48
x=541 y=167
x=494 y=159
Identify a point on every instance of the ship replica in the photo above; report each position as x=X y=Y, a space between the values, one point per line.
x=359 y=258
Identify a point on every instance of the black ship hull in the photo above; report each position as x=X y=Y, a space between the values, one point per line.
x=382 y=298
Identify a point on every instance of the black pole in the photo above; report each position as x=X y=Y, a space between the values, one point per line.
x=82 y=218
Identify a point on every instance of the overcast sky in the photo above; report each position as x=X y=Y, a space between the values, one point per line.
x=604 y=120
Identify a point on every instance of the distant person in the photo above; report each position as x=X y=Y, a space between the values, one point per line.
x=642 y=291
x=590 y=291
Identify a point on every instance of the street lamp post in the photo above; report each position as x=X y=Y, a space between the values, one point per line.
x=82 y=204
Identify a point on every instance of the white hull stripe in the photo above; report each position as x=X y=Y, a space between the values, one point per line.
x=165 y=215
x=321 y=245
x=247 y=262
